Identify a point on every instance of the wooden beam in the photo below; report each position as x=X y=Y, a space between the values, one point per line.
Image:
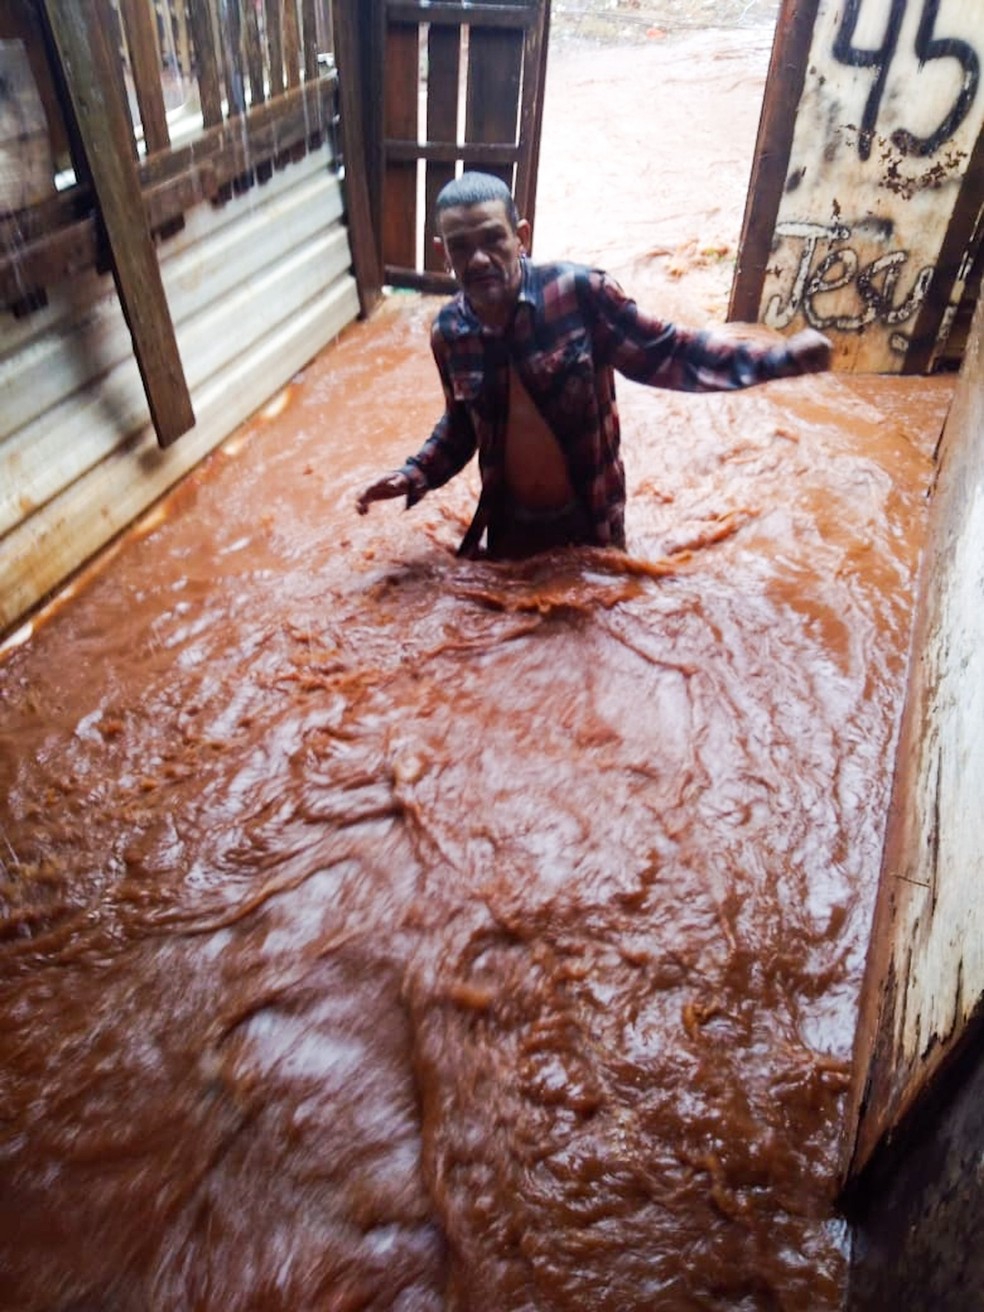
x=231 y=42
x=495 y=71
x=145 y=61
x=80 y=39
x=206 y=61
x=443 y=73
x=401 y=62
x=275 y=44
x=292 y=43
x=362 y=237
x=487 y=152
x=310 y=40
x=783 y=90
x=438 y=284
x=957 y=253
x=257 y=88
x=254 y=56
x=477 y=15
x=531 y=113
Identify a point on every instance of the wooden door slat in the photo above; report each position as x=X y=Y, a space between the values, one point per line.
x=275 y=44
x=254 y=56
x=206 y=61
x=401 y=61
x=486 y=153
x=495 y=67
x=292 y=43
x=231 y=38
x=531 y=115
x=310 y=39
x=362 y=236
x=145 y=61
x=784 y=83
x=472 y=15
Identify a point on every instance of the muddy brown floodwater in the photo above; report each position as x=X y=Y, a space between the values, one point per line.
x=382 y=930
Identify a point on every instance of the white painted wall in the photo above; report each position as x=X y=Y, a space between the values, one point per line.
x=255 y=288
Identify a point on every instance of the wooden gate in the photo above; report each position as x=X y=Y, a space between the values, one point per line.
x=443 y=87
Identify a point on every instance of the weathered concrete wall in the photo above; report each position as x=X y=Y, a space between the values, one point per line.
x=925 y=977
x=255 y=289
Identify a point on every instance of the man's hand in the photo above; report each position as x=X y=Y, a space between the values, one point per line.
x=384 y=489
x=809 y=351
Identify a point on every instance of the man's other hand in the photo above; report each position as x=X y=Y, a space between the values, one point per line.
x=809 y=351
x=384 y=489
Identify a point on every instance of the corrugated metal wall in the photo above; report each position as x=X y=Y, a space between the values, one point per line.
x=255 y=289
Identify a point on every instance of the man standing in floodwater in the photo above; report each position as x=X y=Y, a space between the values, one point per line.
x=526 y=355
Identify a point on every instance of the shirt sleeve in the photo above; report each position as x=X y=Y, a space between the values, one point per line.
x=452 y=443
x=649 y=350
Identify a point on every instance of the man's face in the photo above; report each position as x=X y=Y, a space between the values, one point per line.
x=484 y=252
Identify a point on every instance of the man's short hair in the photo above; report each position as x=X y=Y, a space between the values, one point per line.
x=476 y=189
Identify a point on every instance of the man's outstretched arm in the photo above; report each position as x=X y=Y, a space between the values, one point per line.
x=664 y=354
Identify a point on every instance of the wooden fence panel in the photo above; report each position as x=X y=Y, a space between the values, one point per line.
x=443 y=73
x=505 y=43
x=91 y=53
x=56 y=240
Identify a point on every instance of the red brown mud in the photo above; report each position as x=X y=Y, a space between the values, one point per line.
x=383 y=930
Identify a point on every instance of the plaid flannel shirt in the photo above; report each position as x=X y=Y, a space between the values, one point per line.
x=573 y=327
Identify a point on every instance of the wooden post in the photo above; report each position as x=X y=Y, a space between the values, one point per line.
x=362 y=238
x=531 y=113
x=254 y=56
x=443 y=71
x=145 y=60
x=310 y=40
x=784 y=87
x=275 y=45
x=206 y=63
x=292 y=43
x=85 y=57
x=401 y=62
x=231 y=41
x=180 y=12
x=254 y=63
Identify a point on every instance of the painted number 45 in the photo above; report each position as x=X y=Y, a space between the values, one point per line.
x=928 y=46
